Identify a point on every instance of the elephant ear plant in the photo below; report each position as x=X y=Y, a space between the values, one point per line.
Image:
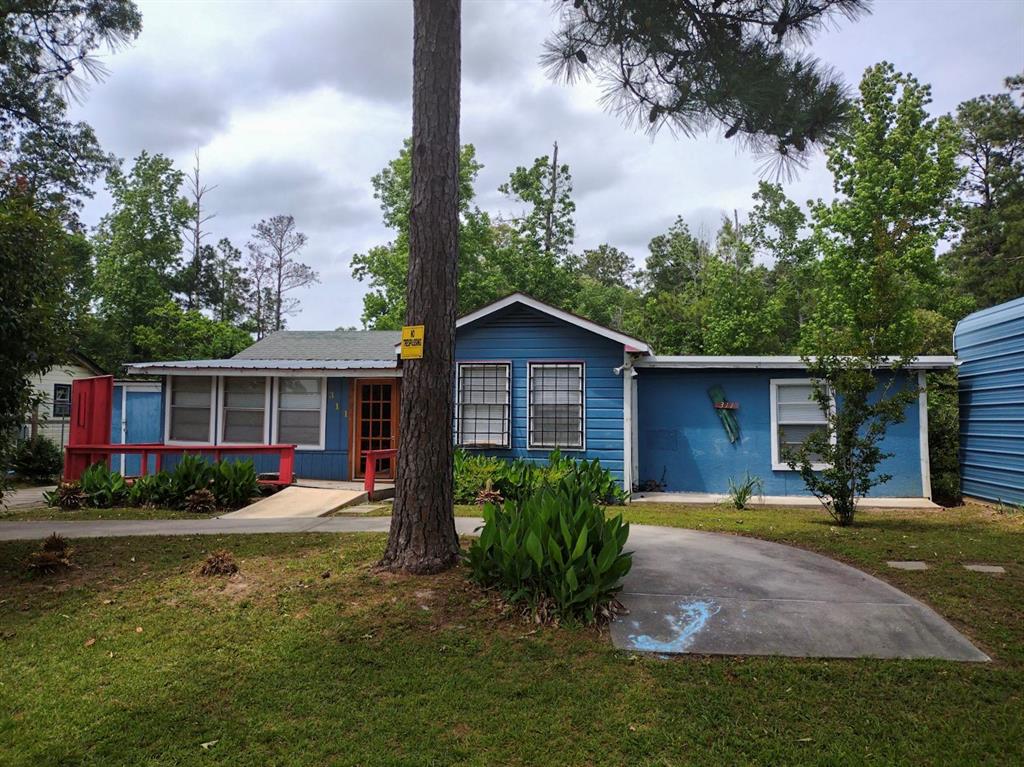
x=555 y=554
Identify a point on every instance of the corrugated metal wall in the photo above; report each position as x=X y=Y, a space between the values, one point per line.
x=990 y=348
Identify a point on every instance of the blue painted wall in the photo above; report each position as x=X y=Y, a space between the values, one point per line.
x=520 y=335
x=990 y=347
x=682 y=442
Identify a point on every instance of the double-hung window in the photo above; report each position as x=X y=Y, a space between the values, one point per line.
x=300 y=412
x=191 y=402
x=244 y=410
x=556 y=405
x=795 y=415
x=483 y=403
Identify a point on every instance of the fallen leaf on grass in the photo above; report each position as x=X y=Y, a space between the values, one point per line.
x=90 y=641
x=206 y=746
x=138 y=629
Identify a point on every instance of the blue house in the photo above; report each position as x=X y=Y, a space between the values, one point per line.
x=529 y=379
x=989 y=347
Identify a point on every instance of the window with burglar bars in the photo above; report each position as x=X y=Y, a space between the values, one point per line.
x=484 y=397
x=556 y=405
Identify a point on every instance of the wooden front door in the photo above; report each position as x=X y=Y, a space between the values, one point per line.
x=374 y=423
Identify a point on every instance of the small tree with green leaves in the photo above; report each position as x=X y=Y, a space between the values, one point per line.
x=861 y=397
x=895 y=172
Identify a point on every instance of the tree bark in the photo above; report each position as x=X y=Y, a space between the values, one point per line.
x=423 y=537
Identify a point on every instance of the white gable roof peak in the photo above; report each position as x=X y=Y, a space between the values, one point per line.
x=631 y=344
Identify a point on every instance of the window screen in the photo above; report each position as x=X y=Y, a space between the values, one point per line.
x=797 y=416
x=483 y=404
x=556 y=405
x=299 y=411
x=244 y=410
x=190 y=408
x=61 y=401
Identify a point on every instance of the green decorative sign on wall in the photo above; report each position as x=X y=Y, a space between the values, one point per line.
x=726 y=412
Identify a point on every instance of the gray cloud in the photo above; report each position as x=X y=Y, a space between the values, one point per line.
x=295 y=105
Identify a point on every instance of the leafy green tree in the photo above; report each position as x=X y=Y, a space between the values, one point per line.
x=38 y=260
x=894 y=172
x=608 y=266
x=226 y=291
x=778 y=232
x=385 y=267
x=691 y=65
x=675 y=261
x=46 y=52
x=137 y=250
x=988 y=260
x=172 y=333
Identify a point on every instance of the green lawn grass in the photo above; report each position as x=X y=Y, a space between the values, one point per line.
x=280 y=665
x=125 y=512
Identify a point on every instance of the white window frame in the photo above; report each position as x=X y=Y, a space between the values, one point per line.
x=776 y=383
x=323 y=411
x=530 y=444
x=265 y=439
x=169 y=399
x=507 y=444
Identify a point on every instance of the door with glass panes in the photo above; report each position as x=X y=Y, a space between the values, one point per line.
x=374 y=423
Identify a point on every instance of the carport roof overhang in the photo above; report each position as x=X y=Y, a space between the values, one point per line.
x=777 y=362
x=273 y=368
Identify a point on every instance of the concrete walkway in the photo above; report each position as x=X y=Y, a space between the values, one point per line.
x=26 y=497
x=688 y=592
x=802 y=501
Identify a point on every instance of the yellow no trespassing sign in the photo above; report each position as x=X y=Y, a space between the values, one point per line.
x=412 y=342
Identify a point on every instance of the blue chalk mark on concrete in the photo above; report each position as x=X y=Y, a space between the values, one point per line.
x=683 y=627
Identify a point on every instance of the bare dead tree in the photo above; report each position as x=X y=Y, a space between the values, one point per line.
x=193 y=275
x=276 y=242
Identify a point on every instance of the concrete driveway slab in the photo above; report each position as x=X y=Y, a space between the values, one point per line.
x=709 y=593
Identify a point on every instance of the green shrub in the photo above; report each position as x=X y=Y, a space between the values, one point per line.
x=556 y=552
x=740 y=493
x=152 y=490
x=102 y=487
x=519 y=479
x=235 y=483
x=37 y=460
x=473 y=473
x=193 y=472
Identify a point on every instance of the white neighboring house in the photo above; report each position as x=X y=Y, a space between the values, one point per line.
x=52 y=418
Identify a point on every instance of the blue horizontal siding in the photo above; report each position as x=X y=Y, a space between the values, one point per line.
x=521 y=335
x=682 y=441
x=990 y=348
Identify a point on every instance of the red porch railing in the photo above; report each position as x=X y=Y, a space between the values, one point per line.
x=77 y=458
x=372 y=456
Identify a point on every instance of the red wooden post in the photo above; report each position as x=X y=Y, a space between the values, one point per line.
x=158 y=464
x=286 y=466
x=145 y=463
x=371 y=471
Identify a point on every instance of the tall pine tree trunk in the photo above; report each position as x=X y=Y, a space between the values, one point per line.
x=423 y=538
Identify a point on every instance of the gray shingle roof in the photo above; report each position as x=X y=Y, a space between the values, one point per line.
x=324 y=345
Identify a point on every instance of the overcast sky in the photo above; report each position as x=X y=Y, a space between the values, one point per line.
x=293 y=106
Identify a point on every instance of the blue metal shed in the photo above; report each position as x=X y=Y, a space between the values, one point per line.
x=989 y=346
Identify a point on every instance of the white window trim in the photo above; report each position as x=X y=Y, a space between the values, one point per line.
x=323 y=412
x=507 y=444
x=775 y=383
x=530 y=444
x=265 y=440
x=169 y=398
